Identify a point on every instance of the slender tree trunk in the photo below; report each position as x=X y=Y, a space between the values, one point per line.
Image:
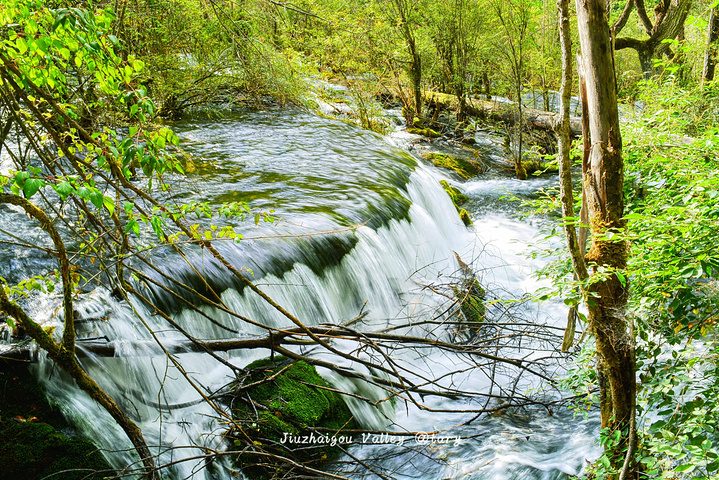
x=519 y=169
x=485 y=83
x=710 y=56
x=63 y=353
x=565 y=174
x=417 y=82
x=603 y=183
x=415 y=69
x=565 y=164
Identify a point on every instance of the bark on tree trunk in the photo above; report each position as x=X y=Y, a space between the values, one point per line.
x=647 y=63
x=603 y=183
x=565 y=164
x=519 y=169
x=710 y=56
x=416 y=75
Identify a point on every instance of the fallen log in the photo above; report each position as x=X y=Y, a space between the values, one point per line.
x=103 y=348
x=505 y=112
x=294 y=336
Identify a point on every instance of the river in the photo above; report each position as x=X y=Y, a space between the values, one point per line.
x=361 y=224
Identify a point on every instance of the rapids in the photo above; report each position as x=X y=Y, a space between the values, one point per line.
x=392 y=229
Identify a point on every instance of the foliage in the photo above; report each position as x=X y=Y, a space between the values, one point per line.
x=65 y=88
x=672 y=202
x=210 y=53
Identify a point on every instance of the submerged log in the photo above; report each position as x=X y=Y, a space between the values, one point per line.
x=505 y=112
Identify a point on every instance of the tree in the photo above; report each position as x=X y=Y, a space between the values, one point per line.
x=606 y=288
x=514 y=18
x=669 y=19
x=455 y=29
x=405 y=16
x=38 y=48
x=710 y=56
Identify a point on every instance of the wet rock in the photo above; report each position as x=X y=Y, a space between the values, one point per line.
x=464 y=168
x=287 y=410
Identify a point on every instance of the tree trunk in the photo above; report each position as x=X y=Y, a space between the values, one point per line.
x=565 y=143
x=63 y=353
x=566 y=190
x=669 y=22
x=506 y=113
x=710 y=56
x=646 y=60
x=603 y=183
x=417 y=83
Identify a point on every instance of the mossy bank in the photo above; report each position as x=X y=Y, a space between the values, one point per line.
x=35 y=440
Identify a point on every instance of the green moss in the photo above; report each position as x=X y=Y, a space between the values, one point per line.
x=464 y=168
x=458 y=198
x=290 y=398
x=471 y=297
x=36 y=450
x=473 y=307
x=31 y=448
x=426 y=132
x=464 y=216
x=535 y=167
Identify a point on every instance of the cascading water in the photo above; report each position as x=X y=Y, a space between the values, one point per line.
x=320 y=176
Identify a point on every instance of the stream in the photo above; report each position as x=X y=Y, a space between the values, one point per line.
x=363 y=226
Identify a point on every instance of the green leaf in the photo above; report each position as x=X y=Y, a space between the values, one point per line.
x=97 y=199
x=21 y=45
x=20 y=178
x=109 y=204
x=132 y=225
x=64 y=189
x=31 y=186
x=157 y=225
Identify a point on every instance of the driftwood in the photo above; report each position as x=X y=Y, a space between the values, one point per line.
x=506 y=112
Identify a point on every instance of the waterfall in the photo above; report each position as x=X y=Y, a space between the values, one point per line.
x=392 y=231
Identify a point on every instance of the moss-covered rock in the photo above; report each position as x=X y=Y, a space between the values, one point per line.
x=31 y=450
x=472 y=304
x=535 y=167
x=464 y=216
x=458 y=198
x=31 y=443
x=464 y=168
x=426 y=132
x=287 y=410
